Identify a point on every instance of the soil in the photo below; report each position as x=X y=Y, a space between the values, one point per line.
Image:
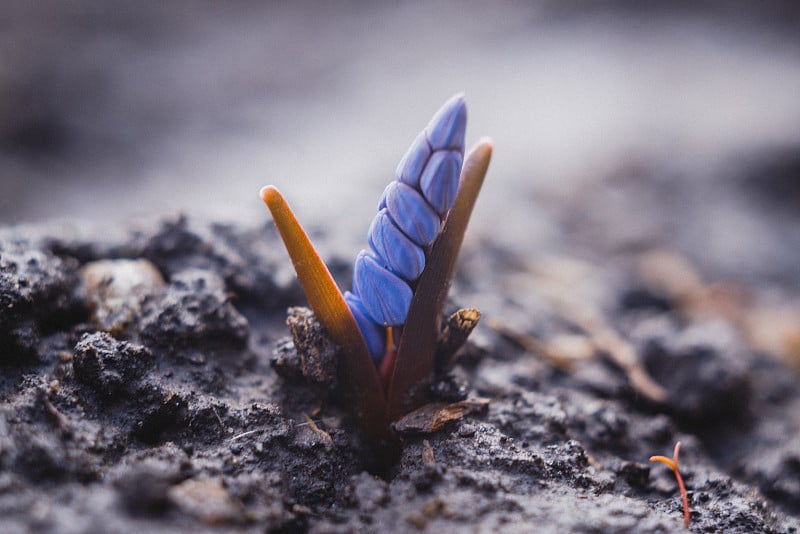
x=633 y=254
x=147 y=398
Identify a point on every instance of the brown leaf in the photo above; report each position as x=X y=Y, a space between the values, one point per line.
x=415 y=355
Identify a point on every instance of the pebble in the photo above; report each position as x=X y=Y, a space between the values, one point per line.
x=114 y=291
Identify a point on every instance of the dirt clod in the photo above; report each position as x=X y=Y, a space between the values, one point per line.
x=35 y=295
x=194 y=311
x=108 y=366
x=701 y=367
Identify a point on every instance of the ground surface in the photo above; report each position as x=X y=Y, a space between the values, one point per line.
x=177 y=421
x=634 y=254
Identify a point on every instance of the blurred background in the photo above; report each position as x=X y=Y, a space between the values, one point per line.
x=616 y=124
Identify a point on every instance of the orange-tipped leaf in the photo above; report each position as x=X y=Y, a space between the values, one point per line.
x=332 y=312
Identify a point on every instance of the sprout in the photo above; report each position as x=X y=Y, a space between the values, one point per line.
x=400 y=285
x=673 y=464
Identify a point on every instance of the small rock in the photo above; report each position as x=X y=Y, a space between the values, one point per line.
x=114 y=291
x=467 y=430
x=206 y=500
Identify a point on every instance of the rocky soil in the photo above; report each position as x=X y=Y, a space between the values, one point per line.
x=634 y=255
x=138 y=393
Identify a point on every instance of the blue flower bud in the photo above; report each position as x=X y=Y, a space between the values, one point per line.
x=410 y=167
x=397 y=252
x=412 y=213
x=447 y=127
x=373 y=334
x=409 y=218
x=386 y=297
x=439 y=181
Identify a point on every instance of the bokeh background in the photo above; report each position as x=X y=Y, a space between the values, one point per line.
x=616 y=124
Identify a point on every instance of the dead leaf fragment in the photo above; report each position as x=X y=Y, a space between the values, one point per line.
x=775 y=330
x=562 y=351
x=671 y=274
x=434 y=416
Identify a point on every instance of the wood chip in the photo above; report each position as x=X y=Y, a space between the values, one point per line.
x=454 y=335
x=317 y=352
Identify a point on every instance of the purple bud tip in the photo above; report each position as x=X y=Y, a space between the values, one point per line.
x=386 y=297
x=448 y=125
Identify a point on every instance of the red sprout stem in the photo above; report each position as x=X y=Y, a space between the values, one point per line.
x=673 y=464
x=681 y=486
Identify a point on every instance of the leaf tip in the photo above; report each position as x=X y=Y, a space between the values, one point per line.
x=269 y=194
x=484 y=147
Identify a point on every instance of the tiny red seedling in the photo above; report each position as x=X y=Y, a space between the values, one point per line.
x=673 y=464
